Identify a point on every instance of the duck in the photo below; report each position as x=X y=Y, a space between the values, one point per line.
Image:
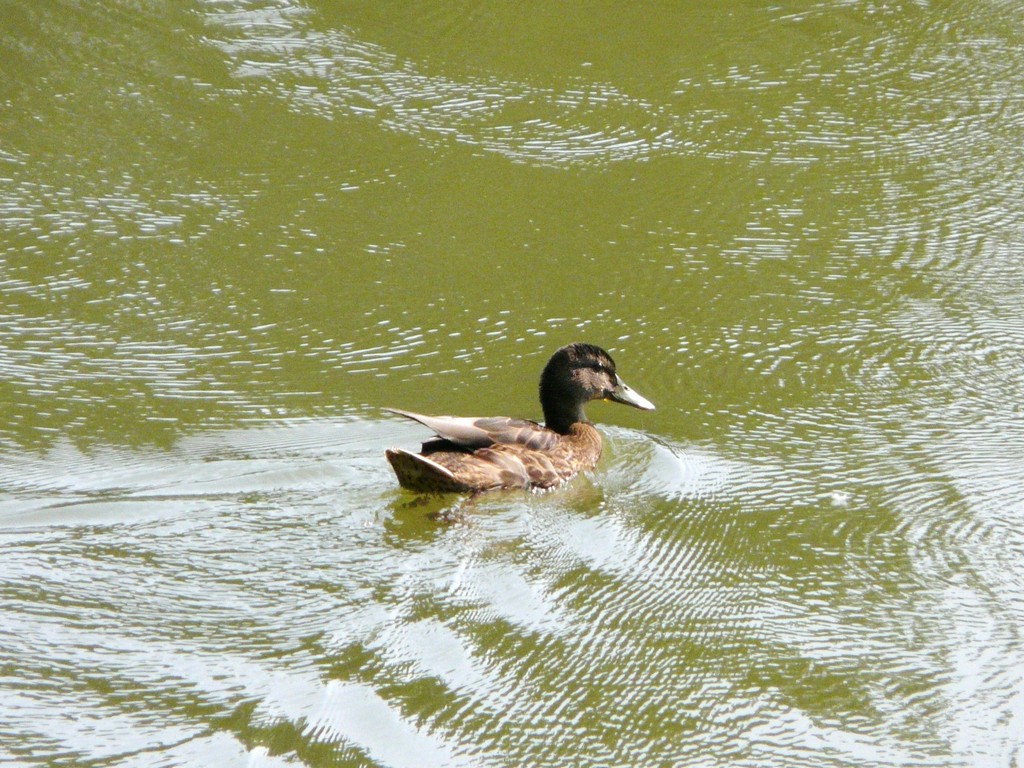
x=470 y=454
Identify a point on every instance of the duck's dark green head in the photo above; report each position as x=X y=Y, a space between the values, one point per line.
x=575 y=375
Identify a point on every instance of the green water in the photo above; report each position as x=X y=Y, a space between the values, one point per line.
x=232 y=232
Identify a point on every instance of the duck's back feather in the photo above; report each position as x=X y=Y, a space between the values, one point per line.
x=470 y=433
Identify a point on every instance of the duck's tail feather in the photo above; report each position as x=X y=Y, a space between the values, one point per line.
x=419 y=473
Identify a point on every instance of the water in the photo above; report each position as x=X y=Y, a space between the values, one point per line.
x=231 y=233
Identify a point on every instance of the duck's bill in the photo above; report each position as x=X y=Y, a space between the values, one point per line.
x=626 y=396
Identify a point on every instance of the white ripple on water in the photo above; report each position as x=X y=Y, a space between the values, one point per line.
x=935 y=477
x=343 y=75
x=93 y=574
x=961 y=645
x=356 y=714
x=66 y=485
x=596 y=635
x=129 y=663
x=345 y=714
x=429 y=649
x=112 y=209
x=972 y=562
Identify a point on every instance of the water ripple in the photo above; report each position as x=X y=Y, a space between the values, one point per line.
x=544 y=611
x=332 y=73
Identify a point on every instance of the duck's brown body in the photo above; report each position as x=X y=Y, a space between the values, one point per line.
x=444 y=467
x=483 y=454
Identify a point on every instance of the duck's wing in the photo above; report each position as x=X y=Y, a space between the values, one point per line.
x=458 y=471
x=418 y=473
x=471 y=433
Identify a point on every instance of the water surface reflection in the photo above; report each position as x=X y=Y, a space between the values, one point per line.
x=232 y=231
